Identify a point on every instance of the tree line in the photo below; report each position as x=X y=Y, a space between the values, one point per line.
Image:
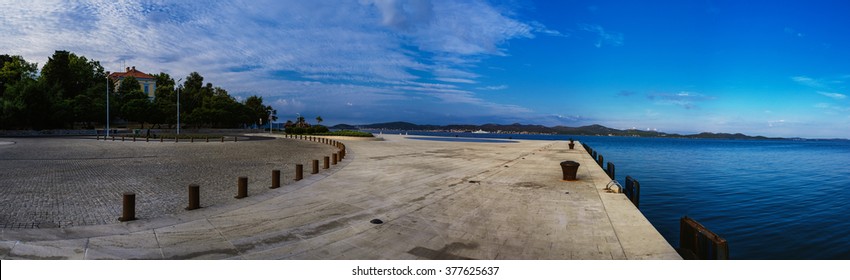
x=70 y=91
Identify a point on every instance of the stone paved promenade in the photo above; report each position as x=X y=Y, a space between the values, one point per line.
x=59 y=181
x=437 y=200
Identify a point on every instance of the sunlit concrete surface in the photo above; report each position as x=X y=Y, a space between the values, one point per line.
x=437 y=200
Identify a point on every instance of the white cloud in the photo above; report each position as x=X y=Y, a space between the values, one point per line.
x=806 y=81
x=833 y=95
x=499 y=87
x=603 y=38
x=684 y=99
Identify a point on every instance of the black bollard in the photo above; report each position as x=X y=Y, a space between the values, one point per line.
x=327 y=163
x=315 y=166
x=299 y=172
x=194 y=197
x=334 y=158
x=128 y=212
x=570 y=170
x=275 y=179
x=600 y=160
x=242 y=185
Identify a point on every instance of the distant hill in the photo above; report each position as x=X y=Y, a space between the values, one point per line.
x=539 y=129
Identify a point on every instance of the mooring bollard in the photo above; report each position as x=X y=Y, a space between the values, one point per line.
x=242 y=185
x=275 y=179
x=315 y=166
x=334 y=158
x=128 y=212
x=299 y=172
x=194 y=197
x=570 y=170
x=327 y=163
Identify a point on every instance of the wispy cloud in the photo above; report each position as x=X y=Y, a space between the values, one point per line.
x=806 y=81
x=499 y=87
x=603 y=37
x=833 y=95
x=626 y=93
x=793 y=32
x=684 y=99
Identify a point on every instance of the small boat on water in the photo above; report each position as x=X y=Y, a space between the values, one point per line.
x=480 y=132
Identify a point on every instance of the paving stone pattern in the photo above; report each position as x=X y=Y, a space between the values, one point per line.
x=63 y=182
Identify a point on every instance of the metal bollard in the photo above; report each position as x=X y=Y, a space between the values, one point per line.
x=334 y=158
x=194 y=197
x=275 y=179
x=299 y=172
x=242 y=191
x=327 y=163
x=128 y=212
x=570 y=170
x=315 y=166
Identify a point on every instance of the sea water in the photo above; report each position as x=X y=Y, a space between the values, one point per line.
x=770 y=199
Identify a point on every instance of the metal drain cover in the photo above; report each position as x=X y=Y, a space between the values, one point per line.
x=376 y=221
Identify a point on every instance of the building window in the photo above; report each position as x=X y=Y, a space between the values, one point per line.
x=146 y=89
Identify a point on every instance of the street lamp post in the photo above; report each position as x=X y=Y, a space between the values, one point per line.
x=107 y=104
x=271 y=123
x=178 y=105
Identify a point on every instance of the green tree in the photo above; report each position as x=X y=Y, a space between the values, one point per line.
x=70 y=75
x=319 y=119
x=14 y=69
x=259 y=112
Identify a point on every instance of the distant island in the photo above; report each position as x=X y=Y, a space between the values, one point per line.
x=516 y=128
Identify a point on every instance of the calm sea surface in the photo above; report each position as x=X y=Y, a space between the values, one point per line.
x=771 y=199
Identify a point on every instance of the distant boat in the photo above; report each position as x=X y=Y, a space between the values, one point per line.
x=480 y=132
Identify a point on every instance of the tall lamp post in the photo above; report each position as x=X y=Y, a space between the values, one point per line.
x=271 y=123
x=107 y=104
x=178 y=105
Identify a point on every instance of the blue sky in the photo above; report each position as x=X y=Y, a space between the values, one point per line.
x=774 y=68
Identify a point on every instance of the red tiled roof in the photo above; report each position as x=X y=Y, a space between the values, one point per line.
x=131 y=72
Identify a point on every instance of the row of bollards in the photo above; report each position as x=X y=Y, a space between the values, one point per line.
x=162 y=139
x=128 y=212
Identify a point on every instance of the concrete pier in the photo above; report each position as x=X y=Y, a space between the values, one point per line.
x=437 y=200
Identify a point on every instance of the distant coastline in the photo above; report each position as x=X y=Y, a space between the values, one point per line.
x=516 y=128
